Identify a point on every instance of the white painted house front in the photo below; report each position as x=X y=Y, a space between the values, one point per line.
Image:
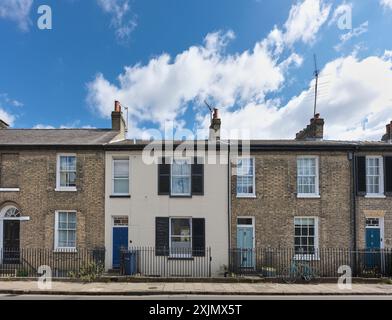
x=171 y=207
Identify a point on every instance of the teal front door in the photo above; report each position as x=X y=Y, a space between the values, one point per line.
x=373 y=246
x=245 y=246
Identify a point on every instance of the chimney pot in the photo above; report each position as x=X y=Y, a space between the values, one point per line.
x=117 y=106
x=215 y=126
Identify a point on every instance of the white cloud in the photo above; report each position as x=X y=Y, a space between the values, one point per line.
x=162 y=89
x=305 y=20
x=356 y=32
x=17 y=11
x=43 y=126
x=7 y=117
x=386 y=3
x=357 y=104
x=123 y=20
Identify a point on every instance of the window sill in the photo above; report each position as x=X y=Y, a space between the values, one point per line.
x=120 y=196
x=306 y=257
x=244 y=196
x=181 y=258
x=308 y=196
x=9 y=189
x=66 y=190
x=65 y=250
x=180 y=196
x=375 y=196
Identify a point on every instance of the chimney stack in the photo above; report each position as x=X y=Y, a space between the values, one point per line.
x=3 y=125
x=313 y=131
x=387 y=137
x=215 y=126
x=118 y=122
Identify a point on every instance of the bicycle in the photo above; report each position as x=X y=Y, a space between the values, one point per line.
x=298 y=270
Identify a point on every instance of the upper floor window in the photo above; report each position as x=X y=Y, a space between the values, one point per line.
x=246 y=177
x=66 y=172
x=121 y=176
x=65 y=230
x=181 y=177
x=307 y=176
x=374 y=176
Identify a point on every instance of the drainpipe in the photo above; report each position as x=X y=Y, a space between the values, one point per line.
x=229 y=199
x=352 y=155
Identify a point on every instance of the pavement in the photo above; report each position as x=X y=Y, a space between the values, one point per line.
x=194 y=288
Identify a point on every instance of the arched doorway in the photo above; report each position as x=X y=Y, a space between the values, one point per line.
x=10 y=234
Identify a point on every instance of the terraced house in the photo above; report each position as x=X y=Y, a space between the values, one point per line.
x=309 y=193
x=52 y=188
x=168 y=202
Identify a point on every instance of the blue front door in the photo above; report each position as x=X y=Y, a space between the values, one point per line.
x=120 y=240
x=245 y=246
x=373 y=246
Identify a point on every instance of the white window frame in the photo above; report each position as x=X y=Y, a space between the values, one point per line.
x=119 y=158
x=247 y=195
x=316 y=255
x=171 y=255
x=190 y=177
x=58 y=183
x=381 y=178
x=56 y=231
x=316 y=194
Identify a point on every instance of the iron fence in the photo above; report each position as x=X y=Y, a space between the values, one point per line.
x=168 y=263
x=325 y=262
x=25 y=262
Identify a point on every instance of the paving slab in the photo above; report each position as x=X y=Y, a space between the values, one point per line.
x=173 y=288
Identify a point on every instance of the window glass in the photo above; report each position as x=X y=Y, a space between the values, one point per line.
x=121 y=176
x=67 y=171
x=180 y=236
x=304 y=235
x=181 y=177
x=245 y=178
x=306 y=175
x=66 y=229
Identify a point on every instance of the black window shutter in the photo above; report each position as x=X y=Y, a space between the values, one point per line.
x=161 y=236
x=163 y=177
x=388 y=175
x=198 y=177
x=361 y=175
x=198 y=237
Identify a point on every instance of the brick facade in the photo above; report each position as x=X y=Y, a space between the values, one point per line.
x=276 y=203
x=34 y=173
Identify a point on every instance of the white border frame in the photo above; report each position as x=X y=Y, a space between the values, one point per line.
x=317 y=181
x=253 y=225
x=183 y=256
x=56 y=232
x=114 y=158
x=58 y=187
x=246 y=195
x=171 y=178
x=381 y=194
x=380 y=226
x=316 y=255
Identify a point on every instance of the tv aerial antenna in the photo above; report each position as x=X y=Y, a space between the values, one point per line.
x=316 y=75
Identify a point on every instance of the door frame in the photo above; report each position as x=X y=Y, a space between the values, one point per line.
x=248 y=226
x=112 y=233
x=380 y=226
x=3 y=218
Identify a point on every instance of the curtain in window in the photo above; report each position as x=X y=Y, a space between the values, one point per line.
x=121 y=176
x=67 y=171
x=181 y=177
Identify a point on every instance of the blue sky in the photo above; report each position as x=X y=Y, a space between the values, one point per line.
x=251 y=58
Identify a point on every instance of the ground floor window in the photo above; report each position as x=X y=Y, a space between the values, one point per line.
x=306 y=235
x=65 y=230
x=180 y=236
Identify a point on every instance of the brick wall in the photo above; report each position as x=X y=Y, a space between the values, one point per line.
x=276 y=203
x=39 y=200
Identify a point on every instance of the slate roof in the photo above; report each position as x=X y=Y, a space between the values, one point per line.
x=56 y=137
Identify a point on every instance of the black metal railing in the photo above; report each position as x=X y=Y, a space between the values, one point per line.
x=274 y=262
x=170 y=263
x=25 y=262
